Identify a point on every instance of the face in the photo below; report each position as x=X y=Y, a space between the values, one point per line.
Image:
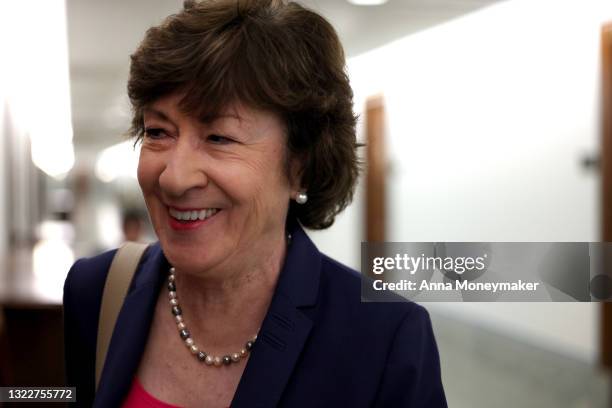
x=217 y=192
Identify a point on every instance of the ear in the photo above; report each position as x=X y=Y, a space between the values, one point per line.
x=296 y=171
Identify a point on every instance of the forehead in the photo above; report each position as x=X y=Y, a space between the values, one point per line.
x=169 y=108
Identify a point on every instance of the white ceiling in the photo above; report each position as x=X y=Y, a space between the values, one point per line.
x=102 y=35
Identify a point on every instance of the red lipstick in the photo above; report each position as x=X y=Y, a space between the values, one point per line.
x=183 y=225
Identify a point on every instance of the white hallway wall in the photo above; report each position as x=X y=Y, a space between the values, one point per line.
x=488 y=117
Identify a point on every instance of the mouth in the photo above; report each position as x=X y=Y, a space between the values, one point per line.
x=193 y=215
x=192 y=218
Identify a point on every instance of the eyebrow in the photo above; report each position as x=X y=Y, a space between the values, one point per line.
x=155 y=112
x=206 y=121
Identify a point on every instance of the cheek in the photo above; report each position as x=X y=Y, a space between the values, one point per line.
x=272 y=191
x=268 y=180
x=146 y=172
x=259 y=187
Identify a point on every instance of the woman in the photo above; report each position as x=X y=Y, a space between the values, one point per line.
x=244 y=112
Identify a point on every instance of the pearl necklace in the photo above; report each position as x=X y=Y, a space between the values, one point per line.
x=201 y=355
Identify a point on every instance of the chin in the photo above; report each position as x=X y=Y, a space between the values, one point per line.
x=187 y=259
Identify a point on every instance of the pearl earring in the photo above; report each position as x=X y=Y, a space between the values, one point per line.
x=301 y=197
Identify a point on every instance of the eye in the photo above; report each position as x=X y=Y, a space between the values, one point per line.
x=218 y=139
x=155 y=133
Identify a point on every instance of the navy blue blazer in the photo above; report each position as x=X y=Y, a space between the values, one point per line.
x=319 y=345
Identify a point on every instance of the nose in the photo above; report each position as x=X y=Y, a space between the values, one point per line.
x=184 y=170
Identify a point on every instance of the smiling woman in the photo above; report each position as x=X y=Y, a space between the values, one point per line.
x=244 y=112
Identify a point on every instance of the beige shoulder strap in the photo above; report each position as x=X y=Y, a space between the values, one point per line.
x=117 y=283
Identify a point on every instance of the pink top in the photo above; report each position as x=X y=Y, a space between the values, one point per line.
x=138 y=397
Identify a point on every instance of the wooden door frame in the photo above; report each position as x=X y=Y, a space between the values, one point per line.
x=375 y=213
x=606 y=180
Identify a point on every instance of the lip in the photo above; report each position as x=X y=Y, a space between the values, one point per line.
x=188 y=225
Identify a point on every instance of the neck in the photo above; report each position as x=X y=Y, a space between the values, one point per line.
x=237 y=297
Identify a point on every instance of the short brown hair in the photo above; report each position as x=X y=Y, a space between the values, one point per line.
x=269 y=54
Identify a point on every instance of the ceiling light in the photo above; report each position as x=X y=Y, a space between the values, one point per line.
x=35 y=80
x=367 y=2
x=117 y=161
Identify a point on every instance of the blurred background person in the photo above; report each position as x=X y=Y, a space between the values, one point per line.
x=133 y=225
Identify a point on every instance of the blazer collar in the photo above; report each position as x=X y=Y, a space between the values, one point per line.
x=285 y=328
x=281 y=338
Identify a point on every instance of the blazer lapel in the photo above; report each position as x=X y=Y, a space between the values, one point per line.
x=131 y=331
x=285 y=328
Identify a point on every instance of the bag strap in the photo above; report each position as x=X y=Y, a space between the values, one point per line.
x=123 y=266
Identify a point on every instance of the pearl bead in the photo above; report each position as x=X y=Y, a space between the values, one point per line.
x=189 y=341
x=172 y=294
x=209 y=360
x=243 y=353
x=254 y=338
x=235 y=357
x=184 y=334
x=201 y=356
x=174 y=302
x=176 y=310
x=301 y=197
x=217 y=361
x=194 y=349
x=171 y=286
x=227 y=360
x=178 y=318
x=248 y=345
x=181 y=326
x=172 y=270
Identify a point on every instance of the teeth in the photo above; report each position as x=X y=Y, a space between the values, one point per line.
x=193 y=215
